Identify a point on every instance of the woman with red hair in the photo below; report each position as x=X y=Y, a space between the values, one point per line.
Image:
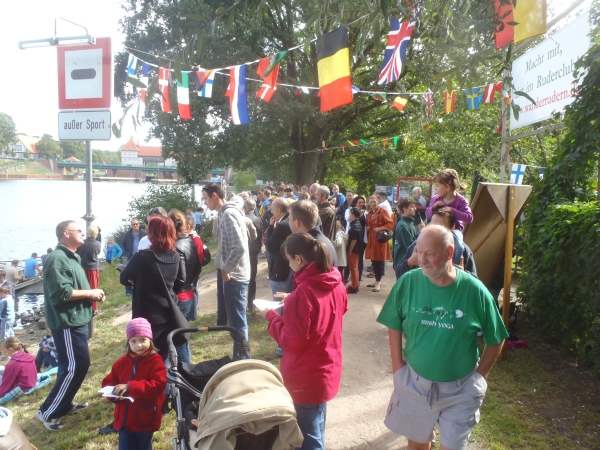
x=153 y=299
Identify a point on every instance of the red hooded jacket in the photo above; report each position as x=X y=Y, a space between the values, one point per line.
x=310 y=333
x=146 y=379
x=20 y=371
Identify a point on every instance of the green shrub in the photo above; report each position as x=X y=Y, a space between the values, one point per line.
x=561 y=284
x=561 y=279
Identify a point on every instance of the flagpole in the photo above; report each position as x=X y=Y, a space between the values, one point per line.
x=505 y=149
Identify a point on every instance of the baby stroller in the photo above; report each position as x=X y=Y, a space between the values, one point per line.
x=239 y=405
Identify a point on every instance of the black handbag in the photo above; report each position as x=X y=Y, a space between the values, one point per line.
x=383 y=235
x=178 y=318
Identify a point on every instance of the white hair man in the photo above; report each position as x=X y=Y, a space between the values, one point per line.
x=326 y=212
x=439 y=377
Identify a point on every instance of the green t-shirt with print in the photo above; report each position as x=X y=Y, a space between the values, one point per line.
x=441 y=323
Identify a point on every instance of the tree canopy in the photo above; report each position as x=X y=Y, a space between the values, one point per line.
x=451 y=48
x=8 y=133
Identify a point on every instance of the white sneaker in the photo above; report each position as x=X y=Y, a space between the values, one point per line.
x=52 y=424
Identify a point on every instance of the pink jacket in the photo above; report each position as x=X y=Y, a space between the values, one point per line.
x=310 y=333
x=20 y=371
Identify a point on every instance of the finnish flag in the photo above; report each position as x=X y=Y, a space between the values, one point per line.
x=517 y=173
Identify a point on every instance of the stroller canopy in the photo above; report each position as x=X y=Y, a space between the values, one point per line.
x=247 y=394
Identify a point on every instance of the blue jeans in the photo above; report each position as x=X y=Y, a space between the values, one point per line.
x=183 y=350
x=135 y=440
x=235 y=305
x=311 y=420
x=6 y=328
x=194 y=312
x=221 y=310
x=278 y=286
x=128 y=287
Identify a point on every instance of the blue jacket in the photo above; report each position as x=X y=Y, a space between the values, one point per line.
x=127 y=243
x=117 y=251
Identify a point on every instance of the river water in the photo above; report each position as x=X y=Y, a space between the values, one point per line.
x=31 y=209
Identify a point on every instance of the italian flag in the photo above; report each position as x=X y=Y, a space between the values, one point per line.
x=183 y=96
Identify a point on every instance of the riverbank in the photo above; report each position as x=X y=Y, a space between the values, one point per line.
x=537 y=399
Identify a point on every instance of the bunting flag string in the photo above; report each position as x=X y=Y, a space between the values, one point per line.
x=334 y=77
x=355 y=143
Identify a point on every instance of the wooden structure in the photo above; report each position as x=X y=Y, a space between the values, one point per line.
x=491 y=234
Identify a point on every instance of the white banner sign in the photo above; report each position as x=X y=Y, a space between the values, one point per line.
x=84 y=126
x=546 y=72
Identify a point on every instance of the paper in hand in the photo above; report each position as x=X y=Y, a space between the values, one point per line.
x=266 y=304
x=107 y=391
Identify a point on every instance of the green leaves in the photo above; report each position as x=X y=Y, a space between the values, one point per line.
x=526 y=95
x=135 y=82
x=178 y=68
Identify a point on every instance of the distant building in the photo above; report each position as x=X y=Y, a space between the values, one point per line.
x=24 y=147
x=141 y=155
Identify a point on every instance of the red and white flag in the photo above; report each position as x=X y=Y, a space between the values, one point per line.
x=269 y=85
x=490 y=89
x=163 y=85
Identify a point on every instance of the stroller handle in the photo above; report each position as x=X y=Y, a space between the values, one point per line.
x=235 y=334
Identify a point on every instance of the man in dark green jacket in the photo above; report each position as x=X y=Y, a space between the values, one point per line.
x=405 y=233
x=68 y=308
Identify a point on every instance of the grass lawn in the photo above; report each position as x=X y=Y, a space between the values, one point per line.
x=538 y=399
x=34 y=168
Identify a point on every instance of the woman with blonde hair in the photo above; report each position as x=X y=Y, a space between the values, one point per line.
x=378 y=220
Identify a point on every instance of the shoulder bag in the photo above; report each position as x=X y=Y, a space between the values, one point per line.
x=383 y=235
x=178 y=318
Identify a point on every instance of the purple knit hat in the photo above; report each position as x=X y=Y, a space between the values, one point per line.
x=139 y=327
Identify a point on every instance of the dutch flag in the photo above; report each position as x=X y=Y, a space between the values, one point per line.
x=237 y=95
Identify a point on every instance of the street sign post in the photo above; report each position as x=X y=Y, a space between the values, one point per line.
x=84 y=95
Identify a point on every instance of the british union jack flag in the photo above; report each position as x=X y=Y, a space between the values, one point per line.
x=395 y=50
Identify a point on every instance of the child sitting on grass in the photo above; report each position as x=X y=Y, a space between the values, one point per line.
x=46 y=355
x=7 y=313
x=140 y=374
x=20 y=371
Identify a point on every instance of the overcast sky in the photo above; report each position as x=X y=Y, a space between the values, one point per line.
x=29 y=77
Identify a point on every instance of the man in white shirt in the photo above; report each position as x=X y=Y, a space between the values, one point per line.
x=383 y=201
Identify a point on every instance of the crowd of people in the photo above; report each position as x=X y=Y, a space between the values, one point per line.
x=316 y=240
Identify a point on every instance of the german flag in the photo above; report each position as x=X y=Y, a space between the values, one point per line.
x=333 y=63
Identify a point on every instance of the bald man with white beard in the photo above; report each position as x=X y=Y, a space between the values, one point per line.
x=439 y=377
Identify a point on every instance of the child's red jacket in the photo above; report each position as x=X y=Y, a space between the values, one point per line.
x=146 y=379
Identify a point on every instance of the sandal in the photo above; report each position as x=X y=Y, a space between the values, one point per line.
x=370 y=285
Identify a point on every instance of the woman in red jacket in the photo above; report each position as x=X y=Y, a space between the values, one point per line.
x=310 y=333
x=141 y=375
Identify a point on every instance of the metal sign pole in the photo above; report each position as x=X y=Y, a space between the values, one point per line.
x=89 y=217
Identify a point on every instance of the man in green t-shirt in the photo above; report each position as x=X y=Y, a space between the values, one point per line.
x=439 y=377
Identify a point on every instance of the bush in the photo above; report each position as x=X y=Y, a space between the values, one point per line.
x=177 y=196
x=207 y=233
x=561 y=286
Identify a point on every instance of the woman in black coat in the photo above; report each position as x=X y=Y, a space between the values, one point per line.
x=146 y=271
